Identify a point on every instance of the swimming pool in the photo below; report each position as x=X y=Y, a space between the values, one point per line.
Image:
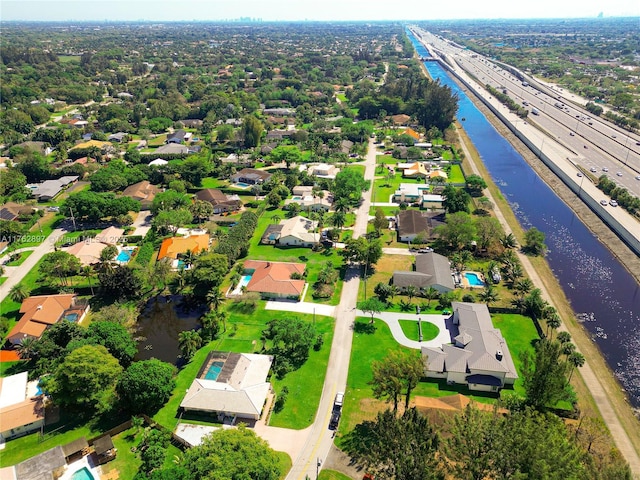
x=474 y=279
x=72 y=317
x=297 y=197
x=124 y=256
x=244 y=281
x=242 y=185
x=214 y=371
x=83 y=474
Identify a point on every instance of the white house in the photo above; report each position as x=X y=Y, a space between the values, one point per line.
x=478 y=356
x=20 y=412
x=297 y=231
x=230 y=385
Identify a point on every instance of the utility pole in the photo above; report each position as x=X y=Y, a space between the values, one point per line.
x=73 y=219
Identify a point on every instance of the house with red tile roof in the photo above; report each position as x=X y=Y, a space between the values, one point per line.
x=39 y=312
x=273 y=279
x=174 y=246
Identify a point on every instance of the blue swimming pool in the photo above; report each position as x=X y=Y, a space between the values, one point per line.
x=242 y=184
x=72 y=317
x=214 y=371
x=244 y=281
x=83 y=474
x=124 y=256
x=474 y=279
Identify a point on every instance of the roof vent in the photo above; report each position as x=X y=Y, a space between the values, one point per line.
x=499 y=354
x=39 y=307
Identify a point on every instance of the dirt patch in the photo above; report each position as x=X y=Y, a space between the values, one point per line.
x=341 y=462
x=385 y=267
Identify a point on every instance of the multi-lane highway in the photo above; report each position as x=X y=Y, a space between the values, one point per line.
x=593 y=143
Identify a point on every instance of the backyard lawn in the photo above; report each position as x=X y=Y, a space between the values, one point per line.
x=244 y=328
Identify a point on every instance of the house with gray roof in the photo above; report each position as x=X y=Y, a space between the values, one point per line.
x=478 y=355
x=48 y=189
x=410 y=223
x=251 y=176
x=432 y=271
x=230 y=385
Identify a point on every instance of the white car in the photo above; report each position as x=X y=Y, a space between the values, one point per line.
x=605 y=169
x=613 y=203
x=593 y=169
x=619 y=174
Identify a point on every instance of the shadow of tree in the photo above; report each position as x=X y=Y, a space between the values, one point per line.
x=364 y=327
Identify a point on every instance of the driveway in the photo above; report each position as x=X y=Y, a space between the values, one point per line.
x=142 y=223
x=392 y=320
x=301 y=307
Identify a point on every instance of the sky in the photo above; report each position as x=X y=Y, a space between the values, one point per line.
x=321 y=10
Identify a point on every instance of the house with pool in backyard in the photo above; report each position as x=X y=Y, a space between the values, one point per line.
x=478 y=355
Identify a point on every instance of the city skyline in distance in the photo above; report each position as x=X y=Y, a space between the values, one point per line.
x=287 y=10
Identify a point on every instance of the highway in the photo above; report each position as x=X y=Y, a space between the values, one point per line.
x=593 y=143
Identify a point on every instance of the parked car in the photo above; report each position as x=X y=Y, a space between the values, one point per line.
x=336 y=412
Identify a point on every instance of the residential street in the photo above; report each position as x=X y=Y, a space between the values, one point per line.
x=320 y=438
x=16 y=274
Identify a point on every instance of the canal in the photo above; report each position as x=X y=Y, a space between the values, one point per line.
x=599 y=288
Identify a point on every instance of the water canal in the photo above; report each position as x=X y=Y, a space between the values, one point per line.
x=593 y=280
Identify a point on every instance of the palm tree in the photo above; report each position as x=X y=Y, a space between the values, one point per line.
x=563 y=337
x=553 y=323
x=25 y=348
x=509 y=241
x=189 y=341
x=189 y=257
x=87 y=272
x=342 y=205
x=576 y=359
x=338 y=219
x=222 y=318
x=19 y=292
x=275 y=218
x=215 y=298
x=210 y=326
x=488 y=295
x=430 y=294
x=523 y=286
x=161 y=271
x=568 y=348
x=411 y=291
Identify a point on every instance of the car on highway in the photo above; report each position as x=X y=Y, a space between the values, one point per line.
x=619 y=174
x=593 y=169
x=605 y=169
x=586 y=146
x=613 y=203
x=614 y=136
x=638 y=177
x=572 y=134
x=579 y=174
x=603 y=202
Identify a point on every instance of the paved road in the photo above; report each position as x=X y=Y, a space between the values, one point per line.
x=16 y=274
x=320 y=438
x=601 y=399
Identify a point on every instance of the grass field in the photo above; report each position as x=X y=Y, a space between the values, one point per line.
x=22 y=256
x=456 y=175
x=210 y=182
x=332 y=475
x=410 y=330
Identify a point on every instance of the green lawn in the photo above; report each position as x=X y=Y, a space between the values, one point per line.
x=11 y=368
x=157 y=141
x=69 y=428
x=342 y=97
x=3 y=279
x=332 y=475
x=386 y=159
x=410 y=330
x=210 y=182
x=244 y=329
x=39 y=232
x=456 y=175
x=388 y=211
x=22 y=256
x=383 y=188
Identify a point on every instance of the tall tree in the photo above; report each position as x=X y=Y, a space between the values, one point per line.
x=251 y=131
x=394 y=447
x=189 y=342
x=19 y=292
x=544 y=374
x=146 y=386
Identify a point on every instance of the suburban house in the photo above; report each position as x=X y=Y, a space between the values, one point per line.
x=432 y=271
x=273 y=279
x=280 y=112
x=178 y=136
x=302 y=195
x=48 y=189
x=432 y=201
x=117 y=137
x=11 y=211
x=478 y=356
x=230 y=385
x=172 y=149
x=221 y=202
x=191 y=122
x=292 y=232
x=324 y=170
x=110 y=235
x=172 y=247
x=409 y=223
x=279 y=134
x=346 y=146
x=400 y=119
x=142 y=192
x=21 y=412
x=103 y=146
x=41 y=311
x=251 y=176
x=410 y=192
x=411 y=132
x=415 y=170
x=87 y=252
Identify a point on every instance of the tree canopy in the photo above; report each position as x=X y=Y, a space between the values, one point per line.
x=146 y=386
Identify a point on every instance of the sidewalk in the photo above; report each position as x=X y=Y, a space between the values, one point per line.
x=301 y=307
x=392 y=320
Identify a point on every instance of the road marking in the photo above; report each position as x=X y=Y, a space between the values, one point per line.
x=315 y=449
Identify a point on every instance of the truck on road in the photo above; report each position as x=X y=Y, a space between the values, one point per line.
x=336 y=412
